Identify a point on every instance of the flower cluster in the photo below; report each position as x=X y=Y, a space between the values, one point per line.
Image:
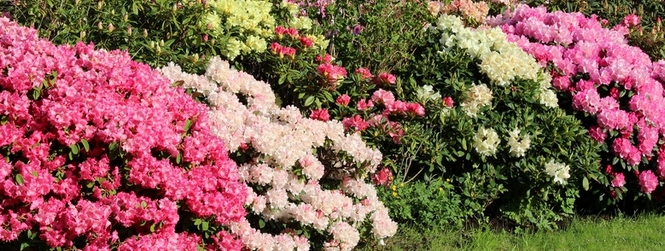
x=426 y=94
x=609 y=80
x=392 y=108
x=560 y=172
x=95 y=146
x=518 y=145
x=320 y=5
x=486 y=141
x=500 y=60
x=284 y=175
x=332 y=74
x=282 y=51
x=473 y=13
x=477 y=97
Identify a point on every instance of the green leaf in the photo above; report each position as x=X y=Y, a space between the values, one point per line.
x=309 y=101
x=35 y=174
x=204 y=226
x=86 y=146
x=113 y=146
x=178 y=83
x=262 y=223
x=152 y=228
x=188 y=125
x=585 y=184
x=75 y=149
x=197 y=222
x=19 y=179
x=328 y=97
x=144 y=204
x=35 y=94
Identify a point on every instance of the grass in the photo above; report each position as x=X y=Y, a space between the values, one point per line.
x=617 y=234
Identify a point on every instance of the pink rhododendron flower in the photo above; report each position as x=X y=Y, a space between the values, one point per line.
x=597 y=133
x=364 y=73
x=365 y=104
x=383 y=178
x=356 y=122
x=631 y=20
x=448 y=102
x=332 y=73
x=343 y=100
x=385 y=78
x=280 y=31
x=619 y=180
x=292 y=32
x=320 y=114
x=327 y=59
x=416 y=109
x=306 y=41
x=383 y=97
x=282 y=51
x=648 y=181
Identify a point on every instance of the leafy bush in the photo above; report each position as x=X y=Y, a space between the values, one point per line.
x=426 y=203
x=306 y=177
x=100 y=153
x=611 y=87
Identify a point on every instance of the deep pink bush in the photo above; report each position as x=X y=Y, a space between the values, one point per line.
x=95 y=145
x=613 y=83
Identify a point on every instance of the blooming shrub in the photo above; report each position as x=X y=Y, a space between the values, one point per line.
x=99 y=153
x=644 y=17
x=613 y=86
x=303 y=175
x=493 y=128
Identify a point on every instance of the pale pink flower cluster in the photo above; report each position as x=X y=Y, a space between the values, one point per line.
x=59 y=175
x=578 y=46
x=469 y=10
x=286 y=168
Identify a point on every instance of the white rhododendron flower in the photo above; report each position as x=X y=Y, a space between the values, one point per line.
x=548 y=98
x=426 y=93
x=478 y=96
x=560 y=172
x=283 y=182
x=486 y=141
x=502 y=61
x=518 y=145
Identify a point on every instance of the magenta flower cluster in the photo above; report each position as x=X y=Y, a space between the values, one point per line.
x=615 y=83
x=392 y=108
x=96 y=146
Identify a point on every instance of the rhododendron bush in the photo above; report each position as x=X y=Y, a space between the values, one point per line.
x=614 y=87
x=305 y=177
x=99 y=153
x=494 y=128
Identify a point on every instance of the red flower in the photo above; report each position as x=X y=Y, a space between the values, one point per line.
x=320 y=114
x=383 y=178
x=448 y=101
x=343 y=100
x=307 y=42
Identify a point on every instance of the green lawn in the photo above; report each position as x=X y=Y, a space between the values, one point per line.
x=621 y=233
